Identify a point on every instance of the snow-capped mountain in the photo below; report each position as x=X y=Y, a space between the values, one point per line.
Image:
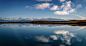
x=30 y=19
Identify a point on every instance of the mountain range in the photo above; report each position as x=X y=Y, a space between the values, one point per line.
x=30 y=19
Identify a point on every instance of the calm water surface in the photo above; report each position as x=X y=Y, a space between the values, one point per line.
x=42 y=35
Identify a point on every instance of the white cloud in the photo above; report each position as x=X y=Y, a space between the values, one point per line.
x=61 y=13
x=26 y=6
x=72 y=10
x=66 y=9
x=85 y=7
x=43 y=0
x=42 y=6
x=79 y=6
x=55 y=7
x=83 y=18
x=62 y=0
x=42 y=39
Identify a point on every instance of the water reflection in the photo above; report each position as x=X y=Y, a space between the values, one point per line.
x=33 y=25
x=65 y=36
x=38 y=35
x=79 y=28
x=42 y=39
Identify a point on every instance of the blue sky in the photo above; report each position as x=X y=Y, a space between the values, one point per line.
x=66 y=9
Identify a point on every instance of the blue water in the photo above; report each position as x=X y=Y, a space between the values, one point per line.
x=42 y=35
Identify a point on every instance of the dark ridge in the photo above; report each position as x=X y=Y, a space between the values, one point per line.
x=53 y=22
x=71 y=22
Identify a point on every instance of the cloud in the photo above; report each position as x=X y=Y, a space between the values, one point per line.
x=42 y=6
x=83 y=18
x=43 y=0
x=42 y=39
x=79 y=6
x=66 y=9
x=71 y=10
x=62 y=0
x=26 y=6
x=61 y=13
x=55 y=7
x=85 y=7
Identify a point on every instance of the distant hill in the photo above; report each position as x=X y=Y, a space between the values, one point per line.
x=31 y=19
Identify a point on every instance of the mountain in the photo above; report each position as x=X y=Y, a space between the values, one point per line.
x=31 y=19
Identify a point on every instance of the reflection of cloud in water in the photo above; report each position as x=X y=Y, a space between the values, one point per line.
x=42 y=39
x=26 y=38
x=64 y=33
x=62 y=45
x=66 y=36
x=79 y=39
x=79 y=28
x=54 y=37
x=85 y=37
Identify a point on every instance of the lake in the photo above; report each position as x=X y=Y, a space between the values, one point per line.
x=26 y=34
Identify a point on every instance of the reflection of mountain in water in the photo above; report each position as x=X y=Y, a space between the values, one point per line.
x=33 y=25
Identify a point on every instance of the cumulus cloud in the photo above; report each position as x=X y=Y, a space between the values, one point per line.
x=26 y=6
x=43 y=0
x=42 y=39
x=62 y=0
x=66 y=9
x=55 y=7
x=61 y=13
x=79 y=6
x=71 y=10
x=42 y=6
